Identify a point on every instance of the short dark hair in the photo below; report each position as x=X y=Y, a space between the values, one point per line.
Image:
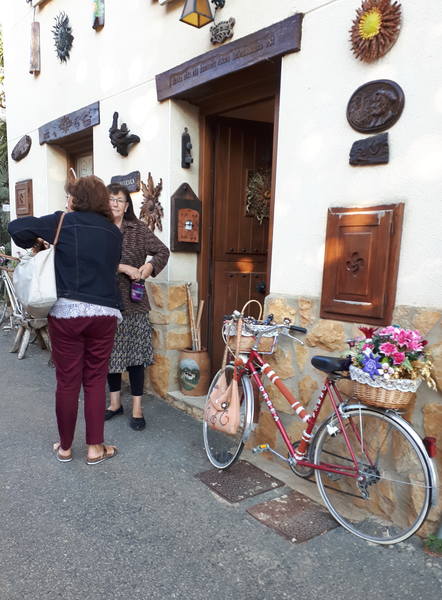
x=116 y=188
x=90 y=195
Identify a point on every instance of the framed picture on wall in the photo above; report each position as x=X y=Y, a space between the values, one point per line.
x=24 y=198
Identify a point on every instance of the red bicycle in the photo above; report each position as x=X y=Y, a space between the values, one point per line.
x=372 y=469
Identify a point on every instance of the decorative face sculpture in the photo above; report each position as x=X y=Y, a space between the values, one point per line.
x=189 y=373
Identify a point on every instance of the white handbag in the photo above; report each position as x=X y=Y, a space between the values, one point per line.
x=34 y=279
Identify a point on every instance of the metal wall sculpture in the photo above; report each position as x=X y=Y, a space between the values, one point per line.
x=120 y=137
x=375 y=29
x=370 y=151
x=151 y=210
x=222 y=31
x=375 y=106
x=62 y=36
x=258 y=194
x=21 y=148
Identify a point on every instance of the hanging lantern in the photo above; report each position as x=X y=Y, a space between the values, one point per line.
x=197 y=13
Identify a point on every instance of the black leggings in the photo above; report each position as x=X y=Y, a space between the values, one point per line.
x=136 y=380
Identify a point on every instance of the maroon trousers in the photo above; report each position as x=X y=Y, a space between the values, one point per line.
x=80 y=350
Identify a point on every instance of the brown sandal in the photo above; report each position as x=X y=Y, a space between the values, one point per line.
x=108 y=452
x=60 y=457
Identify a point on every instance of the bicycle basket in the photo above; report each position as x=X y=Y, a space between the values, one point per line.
x=250 y=333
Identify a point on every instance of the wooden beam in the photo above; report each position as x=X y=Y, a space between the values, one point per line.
x=276 y=40
x=64 y=126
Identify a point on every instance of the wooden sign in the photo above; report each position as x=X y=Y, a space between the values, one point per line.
x=185 y=232
x=34 y=65
x=276 y=40
x=23 y=198
x=132 y=181
x=71 y=123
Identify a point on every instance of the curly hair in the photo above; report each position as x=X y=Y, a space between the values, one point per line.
x=116 y=188
x=90 y=195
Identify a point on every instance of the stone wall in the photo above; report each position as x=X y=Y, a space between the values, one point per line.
x=325 y=337
x=171 y=334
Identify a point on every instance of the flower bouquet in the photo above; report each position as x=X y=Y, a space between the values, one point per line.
x=388 y=365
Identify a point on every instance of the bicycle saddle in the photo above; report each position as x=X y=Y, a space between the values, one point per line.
x=330 y=364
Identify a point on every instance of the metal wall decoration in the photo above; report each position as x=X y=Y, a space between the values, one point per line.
x=186 y=147
x=375 y=29
x=222 y=31
x=151 y=210
x=258 y=193
x=375 y=106
x=370 y=151
x=132 y=181
x=120 y=137
x=63 y=37
x=98 y=14
x=21 y=148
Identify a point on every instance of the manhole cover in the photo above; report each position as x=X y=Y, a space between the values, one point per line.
x=294 y=516
x=241 y=481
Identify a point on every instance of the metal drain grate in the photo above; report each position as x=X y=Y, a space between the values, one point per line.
x=294 y=516
x=243 y=480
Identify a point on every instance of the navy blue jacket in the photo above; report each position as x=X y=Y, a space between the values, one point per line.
x=86 y=256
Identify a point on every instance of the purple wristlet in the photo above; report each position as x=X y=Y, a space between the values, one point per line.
x=137 y=290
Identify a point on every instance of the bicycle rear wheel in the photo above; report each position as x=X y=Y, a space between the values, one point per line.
x=223 y=450
x=391 y=499
x=3 y=301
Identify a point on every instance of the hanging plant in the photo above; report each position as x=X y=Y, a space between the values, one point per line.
x=259 y=191
x=62 y=36
x=375 y=29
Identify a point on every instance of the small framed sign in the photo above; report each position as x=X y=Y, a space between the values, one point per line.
x=131 y=181
x=24 y=198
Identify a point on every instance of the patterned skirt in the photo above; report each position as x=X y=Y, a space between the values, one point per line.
x=133 y=343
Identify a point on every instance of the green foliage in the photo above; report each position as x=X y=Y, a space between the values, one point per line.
x=434 y=544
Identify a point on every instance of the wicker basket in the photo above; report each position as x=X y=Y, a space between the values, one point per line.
x=265 y=346
x=393 y=393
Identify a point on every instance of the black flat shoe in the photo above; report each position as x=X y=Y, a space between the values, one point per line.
x=137 y=423
x=108 y=413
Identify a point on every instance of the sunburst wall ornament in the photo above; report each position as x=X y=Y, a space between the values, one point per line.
x=62 y=36
x=375 y=29
x=151 y=210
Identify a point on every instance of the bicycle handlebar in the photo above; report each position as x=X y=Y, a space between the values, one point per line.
x=266 y=327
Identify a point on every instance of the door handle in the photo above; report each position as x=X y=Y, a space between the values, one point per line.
x=261 y=287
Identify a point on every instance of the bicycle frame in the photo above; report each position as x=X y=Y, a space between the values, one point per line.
x=329 y=388
x=17 y=310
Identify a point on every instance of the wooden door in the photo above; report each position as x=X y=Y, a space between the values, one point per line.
x=242 y=152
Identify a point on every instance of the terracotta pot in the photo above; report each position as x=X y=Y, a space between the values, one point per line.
x=194 y=372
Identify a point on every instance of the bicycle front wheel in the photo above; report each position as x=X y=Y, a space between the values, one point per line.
x=390 y=499
x=222 y=449
x=3 y=301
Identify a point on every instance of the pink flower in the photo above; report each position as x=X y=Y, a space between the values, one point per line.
x=367 y=346
x=387 y=348
x=398 y=358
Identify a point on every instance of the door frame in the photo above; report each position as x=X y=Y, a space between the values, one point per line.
x=207 y=119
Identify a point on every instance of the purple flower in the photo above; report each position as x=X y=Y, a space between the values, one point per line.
x=371 y=364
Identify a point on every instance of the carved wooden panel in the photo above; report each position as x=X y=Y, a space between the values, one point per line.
x=279 y=39
x=23 y=198
x=70 y=124
x=361 y=263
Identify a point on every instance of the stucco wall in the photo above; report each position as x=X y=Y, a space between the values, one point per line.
x=315 y=141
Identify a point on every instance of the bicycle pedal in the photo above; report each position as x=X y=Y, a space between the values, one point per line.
x=261 y=448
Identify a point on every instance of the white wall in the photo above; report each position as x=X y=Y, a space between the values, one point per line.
x=141 y=38
x=315 y=141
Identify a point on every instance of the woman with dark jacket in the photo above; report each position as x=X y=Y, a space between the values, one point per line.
x=83 y=321
x=133 y=341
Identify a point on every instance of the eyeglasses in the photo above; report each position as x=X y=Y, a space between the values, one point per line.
x=117 y=200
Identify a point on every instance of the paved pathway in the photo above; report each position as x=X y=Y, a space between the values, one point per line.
x=142 y=526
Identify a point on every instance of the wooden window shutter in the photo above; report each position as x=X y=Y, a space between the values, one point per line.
x=361 y=263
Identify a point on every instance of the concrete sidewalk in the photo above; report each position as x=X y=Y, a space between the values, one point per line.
x=142 y=526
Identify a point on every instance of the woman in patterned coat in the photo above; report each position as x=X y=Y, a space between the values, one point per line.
x=133 y=341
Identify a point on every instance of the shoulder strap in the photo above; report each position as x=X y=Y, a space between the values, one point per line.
x=57 y=234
